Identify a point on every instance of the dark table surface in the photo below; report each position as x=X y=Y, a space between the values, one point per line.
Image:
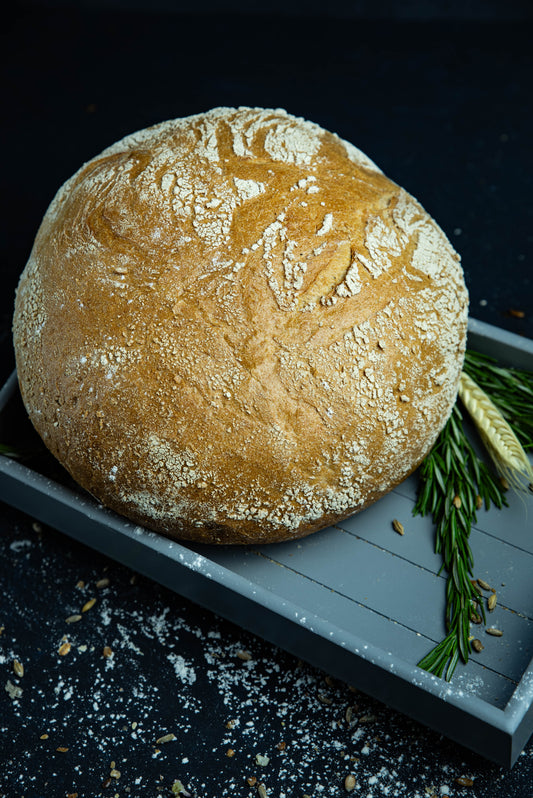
x=444 y=107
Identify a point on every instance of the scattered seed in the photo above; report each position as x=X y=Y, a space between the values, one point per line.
x=80 y=584
x=457 y=501
x=324 y=699
x=517 y=314
x=106 y=782
x=252 y=781
x=483 y=584
x=330 y=681
x=73 y=619
x=102 y=583
x=62 y=749
x=494 y=632
x=244 y=655
x=72 y=795
x=475 y=617
x=88 y=605
x=348 y=715
x=230 y=752
x=36 y=527
x=476 y=587
x=398 y=527
x=107 y=652
x=166 y=738
x=477 y=645
x=64 y=648
x=464 y=781
x=281 y=746
x=18 y=668
x=43 y=737
x=115 y=774
x=262 y=760
x=479 y=502
x=261 y=790
x=349 y=783
x=230 y=724
x=491 y=603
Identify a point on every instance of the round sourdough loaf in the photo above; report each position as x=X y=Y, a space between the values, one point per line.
x=234 y=328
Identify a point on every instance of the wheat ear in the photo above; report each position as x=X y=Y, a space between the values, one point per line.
x=501 y=442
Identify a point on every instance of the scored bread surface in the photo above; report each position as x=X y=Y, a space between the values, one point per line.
x=234 y=328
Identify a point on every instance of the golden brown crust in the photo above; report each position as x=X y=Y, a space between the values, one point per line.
x=234 y=328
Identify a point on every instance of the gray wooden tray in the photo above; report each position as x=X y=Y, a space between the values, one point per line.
x=357 y=600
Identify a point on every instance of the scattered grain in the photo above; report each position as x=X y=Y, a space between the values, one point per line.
x=494 y=632
x=88 y=605
x=324 y=699
x=477 y=645
x=73 y=619
x=244 y=655
x=464 y=781
x=349 y=783
x=18 y=668
x=398 y=527
x=166 y=738
x=64 y=648
x=457 y=501
x=492 y=600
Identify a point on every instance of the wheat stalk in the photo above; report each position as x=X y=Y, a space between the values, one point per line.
x=501 y=442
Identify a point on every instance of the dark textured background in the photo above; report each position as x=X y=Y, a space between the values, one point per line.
x=439 y=95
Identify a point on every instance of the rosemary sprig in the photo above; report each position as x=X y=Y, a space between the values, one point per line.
x=454 y=483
